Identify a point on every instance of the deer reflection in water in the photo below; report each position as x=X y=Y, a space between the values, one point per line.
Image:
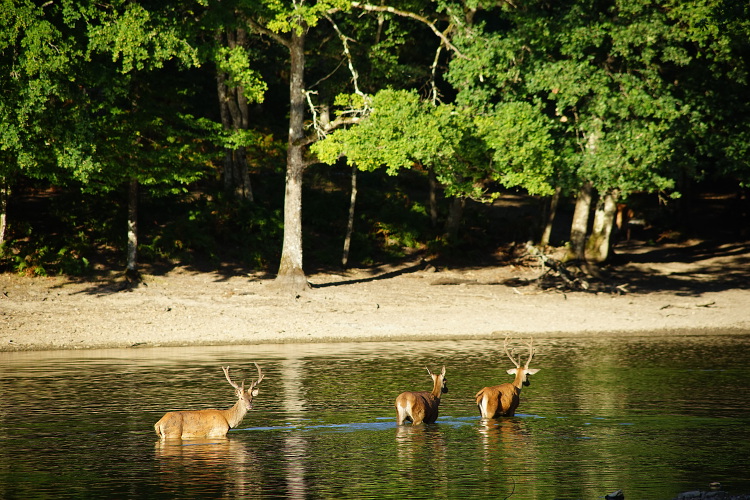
x=420 y=446
x=213 y=463
x=506 y=446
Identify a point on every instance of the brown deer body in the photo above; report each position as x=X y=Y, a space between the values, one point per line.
x=421 y=406
x=502 y=400
x=191 y=424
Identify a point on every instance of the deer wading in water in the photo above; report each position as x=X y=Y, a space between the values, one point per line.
x=421 y=406
x=502 y=400
x=191 y=424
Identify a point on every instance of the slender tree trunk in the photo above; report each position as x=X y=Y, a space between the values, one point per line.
x=550 y=217
x=247 y=187
x=131 y=272
x=454 y=218
x=599 y=243
x=350 y=222
x=433 y=198
x=221 y=91
x=4 y=195
x=579 y=227
x=291 y=275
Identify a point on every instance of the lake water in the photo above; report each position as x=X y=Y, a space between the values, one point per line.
x=651 y=416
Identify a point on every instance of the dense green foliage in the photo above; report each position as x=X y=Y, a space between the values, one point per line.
x=641 y=98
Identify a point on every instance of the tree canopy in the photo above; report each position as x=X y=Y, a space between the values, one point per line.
x=621 y=97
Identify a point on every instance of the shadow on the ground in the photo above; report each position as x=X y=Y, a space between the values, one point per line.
x=377 y=276
x=685 y=270
x=690 y=270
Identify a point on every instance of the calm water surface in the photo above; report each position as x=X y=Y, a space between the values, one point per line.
x=651 y=416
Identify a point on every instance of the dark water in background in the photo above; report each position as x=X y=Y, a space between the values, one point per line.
x=651 y=416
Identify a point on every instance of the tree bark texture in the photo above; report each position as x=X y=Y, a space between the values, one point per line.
x=350 y=222
x=291 y=275
x=433 y=198
x=131 y=271
x=455 y=215
x=4 y=195
x=579 y=227
x=549 y=220
x=599 y=242
x=235 y=115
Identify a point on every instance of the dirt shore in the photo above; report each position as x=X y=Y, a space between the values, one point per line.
x=692 y=288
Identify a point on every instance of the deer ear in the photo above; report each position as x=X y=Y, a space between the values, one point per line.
x=512 y=371
x=255 y=392
x=532 y=371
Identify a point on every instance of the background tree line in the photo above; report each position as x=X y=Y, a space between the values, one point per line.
x=190 y=130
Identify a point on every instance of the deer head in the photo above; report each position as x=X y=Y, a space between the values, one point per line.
x=521 y=373
x=245 y=396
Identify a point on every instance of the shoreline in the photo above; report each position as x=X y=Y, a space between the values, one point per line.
x=697 y=295
x=315 y=343
x=82 y=343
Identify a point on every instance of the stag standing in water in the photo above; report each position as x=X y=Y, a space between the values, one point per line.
x=421 y=406
x=209 y=423
x=502 y=400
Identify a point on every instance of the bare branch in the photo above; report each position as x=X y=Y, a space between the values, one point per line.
x=433 y=76
x=348 y=54
x=411 y=15
x=265 y=31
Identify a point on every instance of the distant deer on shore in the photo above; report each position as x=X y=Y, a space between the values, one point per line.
x=502 y=400
x=189 y=424
x=421 y=406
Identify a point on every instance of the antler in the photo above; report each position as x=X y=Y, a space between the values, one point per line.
x=260 y=376
x=510 y=353
x=226 y=374
x=531 y=353
x=529 y=344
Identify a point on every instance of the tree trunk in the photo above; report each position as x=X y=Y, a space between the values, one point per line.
x=433 y=198
x=454 y=218
x=131 y=272
x=291 y=276
x=4 y=195
x=235 y=115
x=222 y=94
x=551 y=212
x=599 y=243
x=350 y=222
x=579 y=227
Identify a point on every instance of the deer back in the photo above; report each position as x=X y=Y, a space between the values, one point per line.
x=189 y=424
x=498 y=401
x=421 y=406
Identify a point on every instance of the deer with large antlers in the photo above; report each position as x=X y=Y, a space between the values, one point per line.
x=502 y=400
x=421 y=406
x=209 y=423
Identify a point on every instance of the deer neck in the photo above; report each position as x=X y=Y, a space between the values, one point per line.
x=518 y=381
x=437 y=388
x=235 y=414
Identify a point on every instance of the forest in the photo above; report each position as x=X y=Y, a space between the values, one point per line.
x=190 y=132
